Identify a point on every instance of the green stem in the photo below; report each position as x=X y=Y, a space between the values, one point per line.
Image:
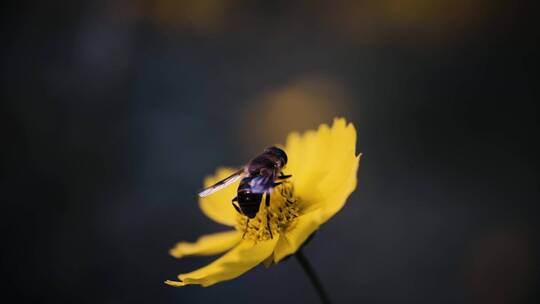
x=312 y=276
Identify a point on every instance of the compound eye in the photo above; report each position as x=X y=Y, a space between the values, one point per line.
x=279 y=153
x=284 y=158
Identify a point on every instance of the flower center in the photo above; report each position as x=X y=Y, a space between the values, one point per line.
x=270 y=221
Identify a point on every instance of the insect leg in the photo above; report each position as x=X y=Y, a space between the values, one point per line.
x=267 y=215
x=247 y=223
x=236 y=207
x=276 y=184
x=283 y=176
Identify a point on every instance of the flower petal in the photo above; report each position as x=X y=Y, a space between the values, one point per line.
x=338 y=192
x=218 y=206
x=323 y=164
x=237 y=261
x=207 y=244
x=290 y=241
x=268 y=261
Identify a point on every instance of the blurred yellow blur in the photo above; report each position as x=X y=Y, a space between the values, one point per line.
x=359 y=20
x=300 y=105
x=429 y=19
x=199 y=16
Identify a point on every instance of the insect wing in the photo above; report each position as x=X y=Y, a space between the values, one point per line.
x=260 y=184
x=223 y=183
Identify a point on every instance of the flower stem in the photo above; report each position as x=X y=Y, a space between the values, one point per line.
x=312 y=277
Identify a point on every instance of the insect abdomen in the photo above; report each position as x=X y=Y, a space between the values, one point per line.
x=248 y=201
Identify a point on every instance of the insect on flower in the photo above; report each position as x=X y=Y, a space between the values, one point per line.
x=321 y=169
x=258 y=178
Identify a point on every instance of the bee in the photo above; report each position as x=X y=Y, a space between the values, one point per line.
x=257 y=179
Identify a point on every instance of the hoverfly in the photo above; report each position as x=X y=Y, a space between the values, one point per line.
x=258 y=177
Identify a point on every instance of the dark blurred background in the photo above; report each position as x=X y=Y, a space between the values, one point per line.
x=113 y=112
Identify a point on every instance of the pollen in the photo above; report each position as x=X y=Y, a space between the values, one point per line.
x=279 y=217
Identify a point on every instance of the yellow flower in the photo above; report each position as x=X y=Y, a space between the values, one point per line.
x=323 y=165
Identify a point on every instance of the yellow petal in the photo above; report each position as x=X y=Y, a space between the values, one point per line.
x=290 y=241
x=268 y=261
x=336 y=194
x=324 y=165
x=207 y=244
x=237 y=261
x=218 y=206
